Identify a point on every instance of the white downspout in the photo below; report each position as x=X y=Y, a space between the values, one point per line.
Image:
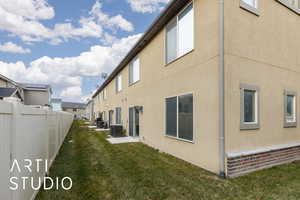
x=221 y=93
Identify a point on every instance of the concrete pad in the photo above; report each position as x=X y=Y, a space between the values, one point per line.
x=92 y=126
x=122 y=140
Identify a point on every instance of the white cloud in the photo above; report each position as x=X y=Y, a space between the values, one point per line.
x=147 y=6
x=22 y=18
x=65 y=74
x=117 y=21
x=13 y=48
x=31 y=9
x=74 y=91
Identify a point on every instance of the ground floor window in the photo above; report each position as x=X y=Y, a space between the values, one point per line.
x=249 y=107
x=290 y=109
x=118 y=115
x=179 y=117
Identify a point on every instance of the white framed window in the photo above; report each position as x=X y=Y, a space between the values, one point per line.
x=134 y=70
x=250 y=5
x=294 y=5
x=249 y=107
x=105 y=93
x=290 y=109
x=180 y=34
x=179 y=117
x=119 y=83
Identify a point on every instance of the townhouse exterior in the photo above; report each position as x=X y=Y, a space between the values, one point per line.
x=214 y=83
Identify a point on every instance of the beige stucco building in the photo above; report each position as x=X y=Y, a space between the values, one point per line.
x=214 y=83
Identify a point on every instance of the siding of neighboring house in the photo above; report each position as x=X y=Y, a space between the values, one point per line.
x=34 y=97
x=196 y=73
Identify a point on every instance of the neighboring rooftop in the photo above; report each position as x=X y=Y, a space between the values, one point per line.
x=35 y=86
x=8 y=80
x=169 y=12
x=72 y=105
x=8 y=92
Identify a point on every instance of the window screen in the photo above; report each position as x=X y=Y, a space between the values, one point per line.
x=185 y=117
x=119 y=83
x=134 y=71
x=171 y=41
x=186 y=31
x=180 y=34
x=290 y=108
x=171 y=116
x=249 y=106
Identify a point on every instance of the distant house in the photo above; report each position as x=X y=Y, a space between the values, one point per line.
x=9 y=88
x=56 y=104
x=78 y=109
x=29 y=94
x=37 y=94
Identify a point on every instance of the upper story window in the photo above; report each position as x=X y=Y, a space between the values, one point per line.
x=250 y=5
x=180 y=34
x=104 y=93
x=249 y=107
x=290 y=109
x=134 y=71
x=119 y=83
x=294 y=5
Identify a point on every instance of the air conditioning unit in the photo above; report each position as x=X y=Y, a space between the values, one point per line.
x=116 y=130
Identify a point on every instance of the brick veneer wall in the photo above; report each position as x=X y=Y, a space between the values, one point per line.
x=243 y=164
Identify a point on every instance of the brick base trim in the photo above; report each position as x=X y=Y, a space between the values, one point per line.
x=243 y=164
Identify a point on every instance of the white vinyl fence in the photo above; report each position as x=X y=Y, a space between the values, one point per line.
x=28 y=133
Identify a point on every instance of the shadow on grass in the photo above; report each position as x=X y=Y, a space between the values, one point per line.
x=102 y=171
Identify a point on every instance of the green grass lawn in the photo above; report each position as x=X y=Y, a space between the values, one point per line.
x=103 y=171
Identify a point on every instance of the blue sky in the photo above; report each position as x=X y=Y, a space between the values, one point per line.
x=68 y=43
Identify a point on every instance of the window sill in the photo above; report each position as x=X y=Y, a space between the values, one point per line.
x=183 y=140
x=131 y=84
x=249 y=8
x=290 y=125
x=249 y=126
x=169 y=63
x=289 y=6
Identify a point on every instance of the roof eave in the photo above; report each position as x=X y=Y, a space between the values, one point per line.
x=170 y=11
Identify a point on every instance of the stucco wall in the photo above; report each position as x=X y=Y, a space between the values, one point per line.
x=262 y=51
x=196 y=73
